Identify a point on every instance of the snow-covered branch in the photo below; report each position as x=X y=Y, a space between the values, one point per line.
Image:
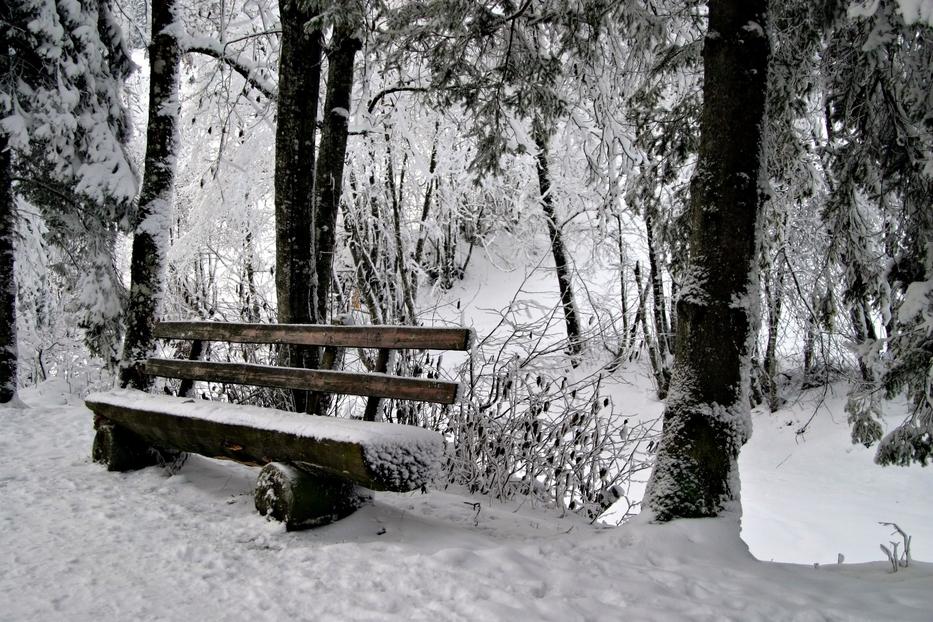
x=216 y=49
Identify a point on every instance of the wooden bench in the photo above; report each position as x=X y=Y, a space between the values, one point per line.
x=317 y=469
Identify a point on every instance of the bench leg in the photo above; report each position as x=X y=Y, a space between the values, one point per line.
x=303 y=496
x=121 y=450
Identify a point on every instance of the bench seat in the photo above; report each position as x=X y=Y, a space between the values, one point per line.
x=379 y=456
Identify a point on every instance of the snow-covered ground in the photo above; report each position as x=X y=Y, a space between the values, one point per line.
x=80 y=543
x=809 y=497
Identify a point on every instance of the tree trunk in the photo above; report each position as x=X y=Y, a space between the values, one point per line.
x=659 y=308
x=707 y=417
x=620 y=240
x=860 y=314
x=774 y=297
x=250 y=311
x=328 y=178
x=302 y=496
x=561 y=265
x=662 y=370
x=7 y=282
x=152 y=223
x=8 y=350
x=642 y=292
x=426 y=206
x=296 y=125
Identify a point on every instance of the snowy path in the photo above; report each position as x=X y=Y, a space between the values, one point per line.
x=79 y=543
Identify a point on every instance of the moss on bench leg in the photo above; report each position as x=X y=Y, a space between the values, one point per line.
x=122 y=450
x=303 y=496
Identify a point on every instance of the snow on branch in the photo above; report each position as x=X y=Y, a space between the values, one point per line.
x=913 y=11
x=220 y=51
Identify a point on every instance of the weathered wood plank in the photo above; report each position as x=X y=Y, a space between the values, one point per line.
x=342 y=382
x=378 y=456
x=392 y=337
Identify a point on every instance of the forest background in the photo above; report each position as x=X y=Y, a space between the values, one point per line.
x=318 y=162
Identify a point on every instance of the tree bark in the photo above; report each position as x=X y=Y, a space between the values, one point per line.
x=623 y=294
x=661 y=355
x=658 y=309
x=774 y=296
x=153 y=216
x=426 y=206
x=561 y=265
x=7 y=281
x=707 y=417
x=328 y=178
x=302 y=496
x=296 y=125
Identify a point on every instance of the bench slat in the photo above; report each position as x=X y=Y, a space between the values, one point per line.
x=380 y=456
x=392 y=337
x=346 y=383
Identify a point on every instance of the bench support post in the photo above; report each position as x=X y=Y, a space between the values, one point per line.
x=122 y=450
x=302 y=496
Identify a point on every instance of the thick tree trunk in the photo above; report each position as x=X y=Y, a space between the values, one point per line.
x=302 y=496
x=7 y=226
x=707 y=416
x=7 y=282
x=328 y=178
x=153 y=216
x=561 y=265
x=296 y=125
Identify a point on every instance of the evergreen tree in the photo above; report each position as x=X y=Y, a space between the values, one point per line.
x=880 y=115
x=62 y=137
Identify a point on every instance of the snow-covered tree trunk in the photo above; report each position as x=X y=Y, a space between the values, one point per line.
x=296 y=125
x=328 y=178
x=659 y=350
x=154 y=212
x=7 y=283
x=558 y=249
x=707 y=420
x=7 y=227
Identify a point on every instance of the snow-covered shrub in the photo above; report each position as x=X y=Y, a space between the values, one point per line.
x=897 y=558
x=529 y=425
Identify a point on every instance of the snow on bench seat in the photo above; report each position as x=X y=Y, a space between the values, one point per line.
x=380 y=456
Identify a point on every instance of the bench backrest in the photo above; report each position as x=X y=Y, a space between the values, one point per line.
x=373 y=384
